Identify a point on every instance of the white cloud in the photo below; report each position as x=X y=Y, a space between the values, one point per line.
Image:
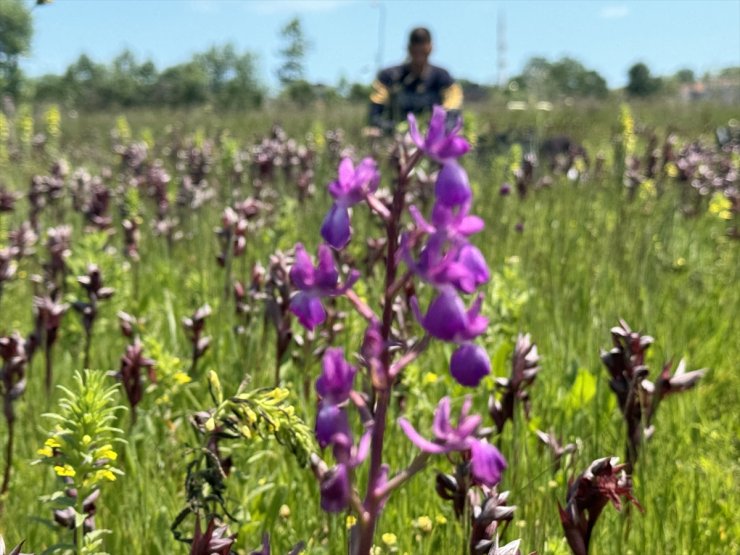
x=295 y=6
x=614 y=12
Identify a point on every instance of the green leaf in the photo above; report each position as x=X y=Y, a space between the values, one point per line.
x=582 y=392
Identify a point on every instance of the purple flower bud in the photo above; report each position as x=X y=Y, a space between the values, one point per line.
x=438 y=143
x=519 y=227
x=332 y=425
x=335 y=489
x=335 y=229
x=505 y=190
x=335 y=382
x=470 y=364
x=452 y=188
x=486 y=463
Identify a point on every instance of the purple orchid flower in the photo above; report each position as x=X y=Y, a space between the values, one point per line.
x=315 y=282
x=447 y=437
x=438 y=143
x=448 y=320
x=335 y=382
x=353 y=185
x=442 y=262
x=486 y=463
x=454 y=221
x=335 y=489
x=332 y=425
x=452 y=187
x=470 y=364
x=335 y=485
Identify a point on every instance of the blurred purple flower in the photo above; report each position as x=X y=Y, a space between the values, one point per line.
x=335 y=382
x=331 y=422
x=447 y=437
x=470 y=364
x=353 y=185
x=313 y=283
x=447 y=318
x=438 y=143
x=452 y=187
x=454 y=221
x=455 y=263
x=335 y=489
x=486 y=463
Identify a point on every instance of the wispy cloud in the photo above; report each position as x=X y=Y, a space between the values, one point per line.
x=614 y=12
x=295 y=6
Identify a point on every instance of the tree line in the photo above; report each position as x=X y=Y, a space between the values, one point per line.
x=227 y=78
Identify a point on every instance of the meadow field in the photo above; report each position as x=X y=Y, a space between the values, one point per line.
x=643 y=228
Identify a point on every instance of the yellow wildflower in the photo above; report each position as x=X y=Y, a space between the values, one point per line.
x=45 y=451
x=52 y=442
x=284 y=511
x=389 y=539
x=424 y=523
x=351 y=521
x=182 y=378
x=65 y=470
x=441 y=520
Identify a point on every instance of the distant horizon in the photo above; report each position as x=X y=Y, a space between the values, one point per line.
x=352 y=38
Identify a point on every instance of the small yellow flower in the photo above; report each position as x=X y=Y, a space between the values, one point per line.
x=284 y=511
x=86 y=439
x=720 y=206
x=181 y=378
x=424 y=523
x=552 y=484
x=351 y=521
x=45 y=451
x=65 y=470
x=441 y=520
x=106 y=452
x=52 y=442
x=671 y=169
x=389 y=539
x=105 y=474
x=430 y=378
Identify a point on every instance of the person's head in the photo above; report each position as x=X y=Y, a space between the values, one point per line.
x=420 y=45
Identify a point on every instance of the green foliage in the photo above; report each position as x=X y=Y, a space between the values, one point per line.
x=293 y=53
x=263 y=413
x=586 y=256
x=16 y=29
x=564 y=77
x=641 y=83
x=81 y=448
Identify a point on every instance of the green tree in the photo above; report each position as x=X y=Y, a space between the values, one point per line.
x=232 y=77
x=564 y=77
x=293 y=53
x=684 y=76
x=16 y=29
x=641 y=83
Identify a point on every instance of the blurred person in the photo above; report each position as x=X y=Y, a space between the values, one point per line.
x=414 y=86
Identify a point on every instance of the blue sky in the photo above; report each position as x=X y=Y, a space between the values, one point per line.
x=608 y=36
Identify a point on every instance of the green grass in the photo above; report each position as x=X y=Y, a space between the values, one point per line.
x=587 y=256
